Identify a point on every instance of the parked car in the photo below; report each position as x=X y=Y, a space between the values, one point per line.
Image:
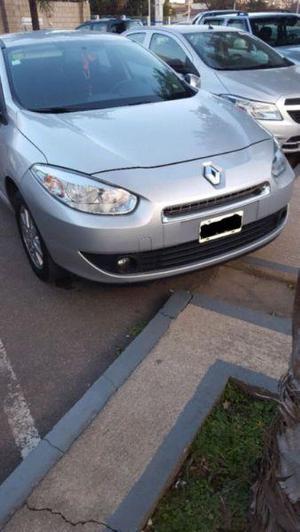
x=214 y=13
x=279 y=30
x=237 y=66
x=119 y=171
x=110 y=25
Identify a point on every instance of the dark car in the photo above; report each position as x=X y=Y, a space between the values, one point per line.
x=110 y=25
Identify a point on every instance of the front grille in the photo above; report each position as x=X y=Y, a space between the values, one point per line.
x=202 y=205
x=292 y=101
x=295 y=115
x=293 y=139
x=190 y=252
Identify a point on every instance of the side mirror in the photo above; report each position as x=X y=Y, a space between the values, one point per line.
x=193 y=80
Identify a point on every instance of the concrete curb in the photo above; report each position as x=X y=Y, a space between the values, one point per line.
x=17 y=487
x=266 y=268
x=134 y=511
x=282 y=325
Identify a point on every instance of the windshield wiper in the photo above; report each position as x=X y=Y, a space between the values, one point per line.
x=257 y=67
x=57 y=110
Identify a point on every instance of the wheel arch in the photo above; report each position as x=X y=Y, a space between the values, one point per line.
x=12 y=191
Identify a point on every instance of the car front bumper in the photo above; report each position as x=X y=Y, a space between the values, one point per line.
x=287 y=130
x=90 y=245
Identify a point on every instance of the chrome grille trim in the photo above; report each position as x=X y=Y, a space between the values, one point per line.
x=193 y=209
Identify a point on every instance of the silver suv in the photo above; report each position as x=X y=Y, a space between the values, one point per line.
x=119 y=171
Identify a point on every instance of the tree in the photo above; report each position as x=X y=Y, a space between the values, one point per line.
x=108 y=7
x=219 y=4
x=34 y=14
x=256 y=5
x=276 y=504
x=45 y=5
x=137 y=8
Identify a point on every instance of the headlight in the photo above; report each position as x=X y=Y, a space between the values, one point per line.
x=258 y=110
x=279 y=161
x=83 y=193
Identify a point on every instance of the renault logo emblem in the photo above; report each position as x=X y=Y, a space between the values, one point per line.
x=212 y=173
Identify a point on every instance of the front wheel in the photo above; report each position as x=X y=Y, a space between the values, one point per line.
x=35 y=248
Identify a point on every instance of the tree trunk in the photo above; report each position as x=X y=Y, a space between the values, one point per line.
x=276 y=504
x=34 y=14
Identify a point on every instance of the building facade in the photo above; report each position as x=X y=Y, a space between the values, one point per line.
x=15 y=15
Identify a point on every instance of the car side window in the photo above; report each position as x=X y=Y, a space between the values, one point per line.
x=278 y=30
x=99 y=26
x=213 y=21
x=237 y=23
x=137 y=37
x=84 y=27
x=171 y=52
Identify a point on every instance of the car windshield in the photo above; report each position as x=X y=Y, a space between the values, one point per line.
x=234 y=51
x=277 y=31
x=89 y=73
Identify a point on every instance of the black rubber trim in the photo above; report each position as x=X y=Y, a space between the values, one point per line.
x=188 y=252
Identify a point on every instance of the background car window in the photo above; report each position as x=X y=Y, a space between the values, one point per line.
x=116 y=27
x=84 y=27
x=172 y=53
x=137 y=37
x=213 y=21
x=234 y=51
x=277 y=31
x=89 y=74
x=99 y=26
x=237 y=23
x=133 y=24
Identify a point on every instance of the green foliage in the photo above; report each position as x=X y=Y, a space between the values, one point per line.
x=255 y=5
x=137 y=8
x=212 y=491
x=219 y=4
x=168 y=9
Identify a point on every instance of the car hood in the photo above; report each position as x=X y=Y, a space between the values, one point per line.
x=145 y=135
x=291 y=52
x=266 y=84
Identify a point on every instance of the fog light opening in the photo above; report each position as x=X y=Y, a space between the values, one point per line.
x=126 y=265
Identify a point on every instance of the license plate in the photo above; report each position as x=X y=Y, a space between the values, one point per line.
x=221 y=226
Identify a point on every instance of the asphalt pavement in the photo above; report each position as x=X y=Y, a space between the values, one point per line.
x=59 y=340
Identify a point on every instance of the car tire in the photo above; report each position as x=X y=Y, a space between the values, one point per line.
x=35 y=248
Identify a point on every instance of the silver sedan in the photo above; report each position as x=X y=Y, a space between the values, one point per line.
x=237 y=66
x=117 y=170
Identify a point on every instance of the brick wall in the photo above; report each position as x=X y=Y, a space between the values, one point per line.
x=15 y=15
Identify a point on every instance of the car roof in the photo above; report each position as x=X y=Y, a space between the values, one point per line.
x=106 y=19
x=219 y=12
x=97 y=20
x=182 y=28
x=253 y=14
x=228 y=15
x=273 y=14
x=31 y=37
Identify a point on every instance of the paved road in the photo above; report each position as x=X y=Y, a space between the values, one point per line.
x=58 y=341
x=55 y=342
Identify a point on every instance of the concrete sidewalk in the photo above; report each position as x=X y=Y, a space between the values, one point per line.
x=90 y=482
